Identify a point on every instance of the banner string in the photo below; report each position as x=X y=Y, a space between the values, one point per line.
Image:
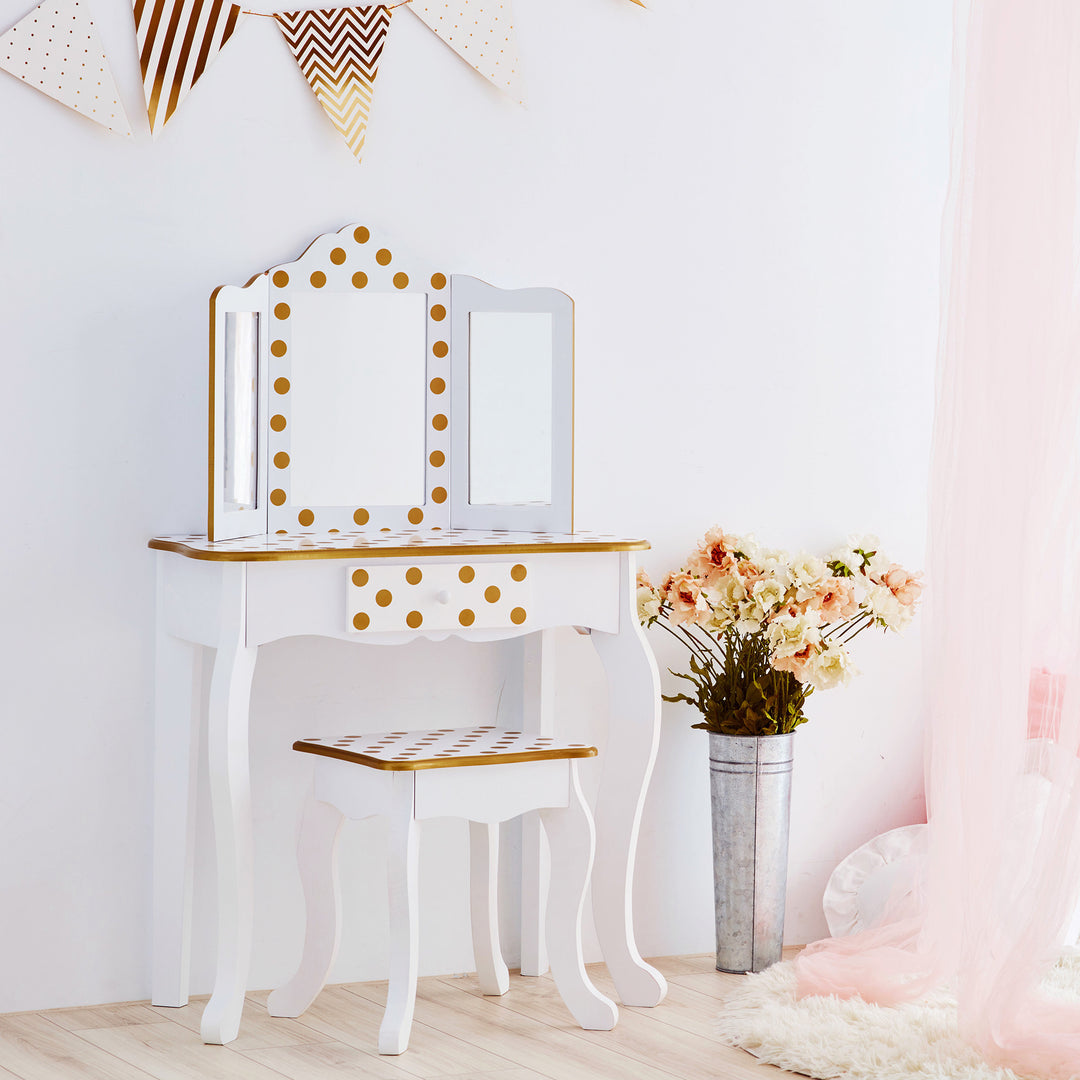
x=270 y=15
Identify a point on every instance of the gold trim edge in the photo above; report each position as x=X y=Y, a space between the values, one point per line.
x=445 y=763
x=410 y=551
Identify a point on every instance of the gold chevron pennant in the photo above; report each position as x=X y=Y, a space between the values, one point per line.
x=338 y=51
x=55 y=49
x=481 y=32
x=177 y=39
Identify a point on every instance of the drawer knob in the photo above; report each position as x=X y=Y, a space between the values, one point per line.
x=443 y=596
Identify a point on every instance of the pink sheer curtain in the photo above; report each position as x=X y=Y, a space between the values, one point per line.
x=1003 y=614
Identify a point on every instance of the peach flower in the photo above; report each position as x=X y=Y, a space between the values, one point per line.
x=716 y=553
x=834 y=600
x=798 y=663
x=683 y=592
x=904 y=586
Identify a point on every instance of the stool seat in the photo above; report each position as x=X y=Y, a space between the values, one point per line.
x=444 y=748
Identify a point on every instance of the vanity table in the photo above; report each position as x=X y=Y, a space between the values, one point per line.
x=390 y=459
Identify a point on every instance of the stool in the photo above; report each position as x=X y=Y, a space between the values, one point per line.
x=484 y=774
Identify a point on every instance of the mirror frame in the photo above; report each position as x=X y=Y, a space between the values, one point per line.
x=344 y=262
x=224 y=524
x=469 y=294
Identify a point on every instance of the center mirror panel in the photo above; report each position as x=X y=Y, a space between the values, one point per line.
x=358 y=416
x=358 y=428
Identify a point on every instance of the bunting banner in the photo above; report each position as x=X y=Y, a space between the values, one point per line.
x=482 y=34
x=338 y=51
x=177 y=39
x=56 y=50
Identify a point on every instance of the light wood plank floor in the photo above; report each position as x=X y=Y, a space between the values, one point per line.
x=458 y=1035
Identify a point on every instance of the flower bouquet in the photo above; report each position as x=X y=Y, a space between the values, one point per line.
x=765 y=629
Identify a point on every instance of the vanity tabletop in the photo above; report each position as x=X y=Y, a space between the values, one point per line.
x=385 y=544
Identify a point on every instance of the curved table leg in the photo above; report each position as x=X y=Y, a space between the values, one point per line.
x=634 y=706
x=316 y=853
x=230 y=797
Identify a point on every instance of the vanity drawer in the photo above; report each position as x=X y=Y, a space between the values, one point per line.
x=441 y=596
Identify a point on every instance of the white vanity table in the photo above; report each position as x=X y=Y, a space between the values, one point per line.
x=390 y=459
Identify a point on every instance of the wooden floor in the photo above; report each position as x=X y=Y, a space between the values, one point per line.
x=525 y=1035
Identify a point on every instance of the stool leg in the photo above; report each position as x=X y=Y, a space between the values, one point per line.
x=317 y=855
x=404 y=940
x=484 y=904
x=571 y=837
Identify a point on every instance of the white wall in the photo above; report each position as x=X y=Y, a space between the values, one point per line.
x=744 y=201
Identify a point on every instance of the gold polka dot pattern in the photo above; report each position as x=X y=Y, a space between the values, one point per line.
x=486 y=41
x=445 y=596
x=56 y=50
x=442 y=748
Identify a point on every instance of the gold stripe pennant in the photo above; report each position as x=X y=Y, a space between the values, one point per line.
x=56 y=50
x=481 y=32
x=177 y=40
x=338 y=51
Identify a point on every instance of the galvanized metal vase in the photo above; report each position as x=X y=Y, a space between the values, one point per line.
x=751 y=811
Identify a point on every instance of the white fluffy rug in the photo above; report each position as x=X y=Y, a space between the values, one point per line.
x=827 y=1037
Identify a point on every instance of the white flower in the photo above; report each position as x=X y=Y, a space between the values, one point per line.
x=886 y=608
x=723 y=599
x=769 y=593
x=807 y=573
x=789 y=634
x=746 y=545
x=648 y=604
x=751 y=617
x=776 y=565
x=830 y=667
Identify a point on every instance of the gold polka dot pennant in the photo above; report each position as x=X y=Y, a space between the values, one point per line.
x=56 y=50
x=481 y=32
x=338 y=51
x=177 y=41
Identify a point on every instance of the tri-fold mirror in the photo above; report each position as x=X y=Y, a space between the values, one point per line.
x=360 y=387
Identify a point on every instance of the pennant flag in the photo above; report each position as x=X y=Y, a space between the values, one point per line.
x=55 y=49
x=338 y=51
x=177 y=39
x=481 y=33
